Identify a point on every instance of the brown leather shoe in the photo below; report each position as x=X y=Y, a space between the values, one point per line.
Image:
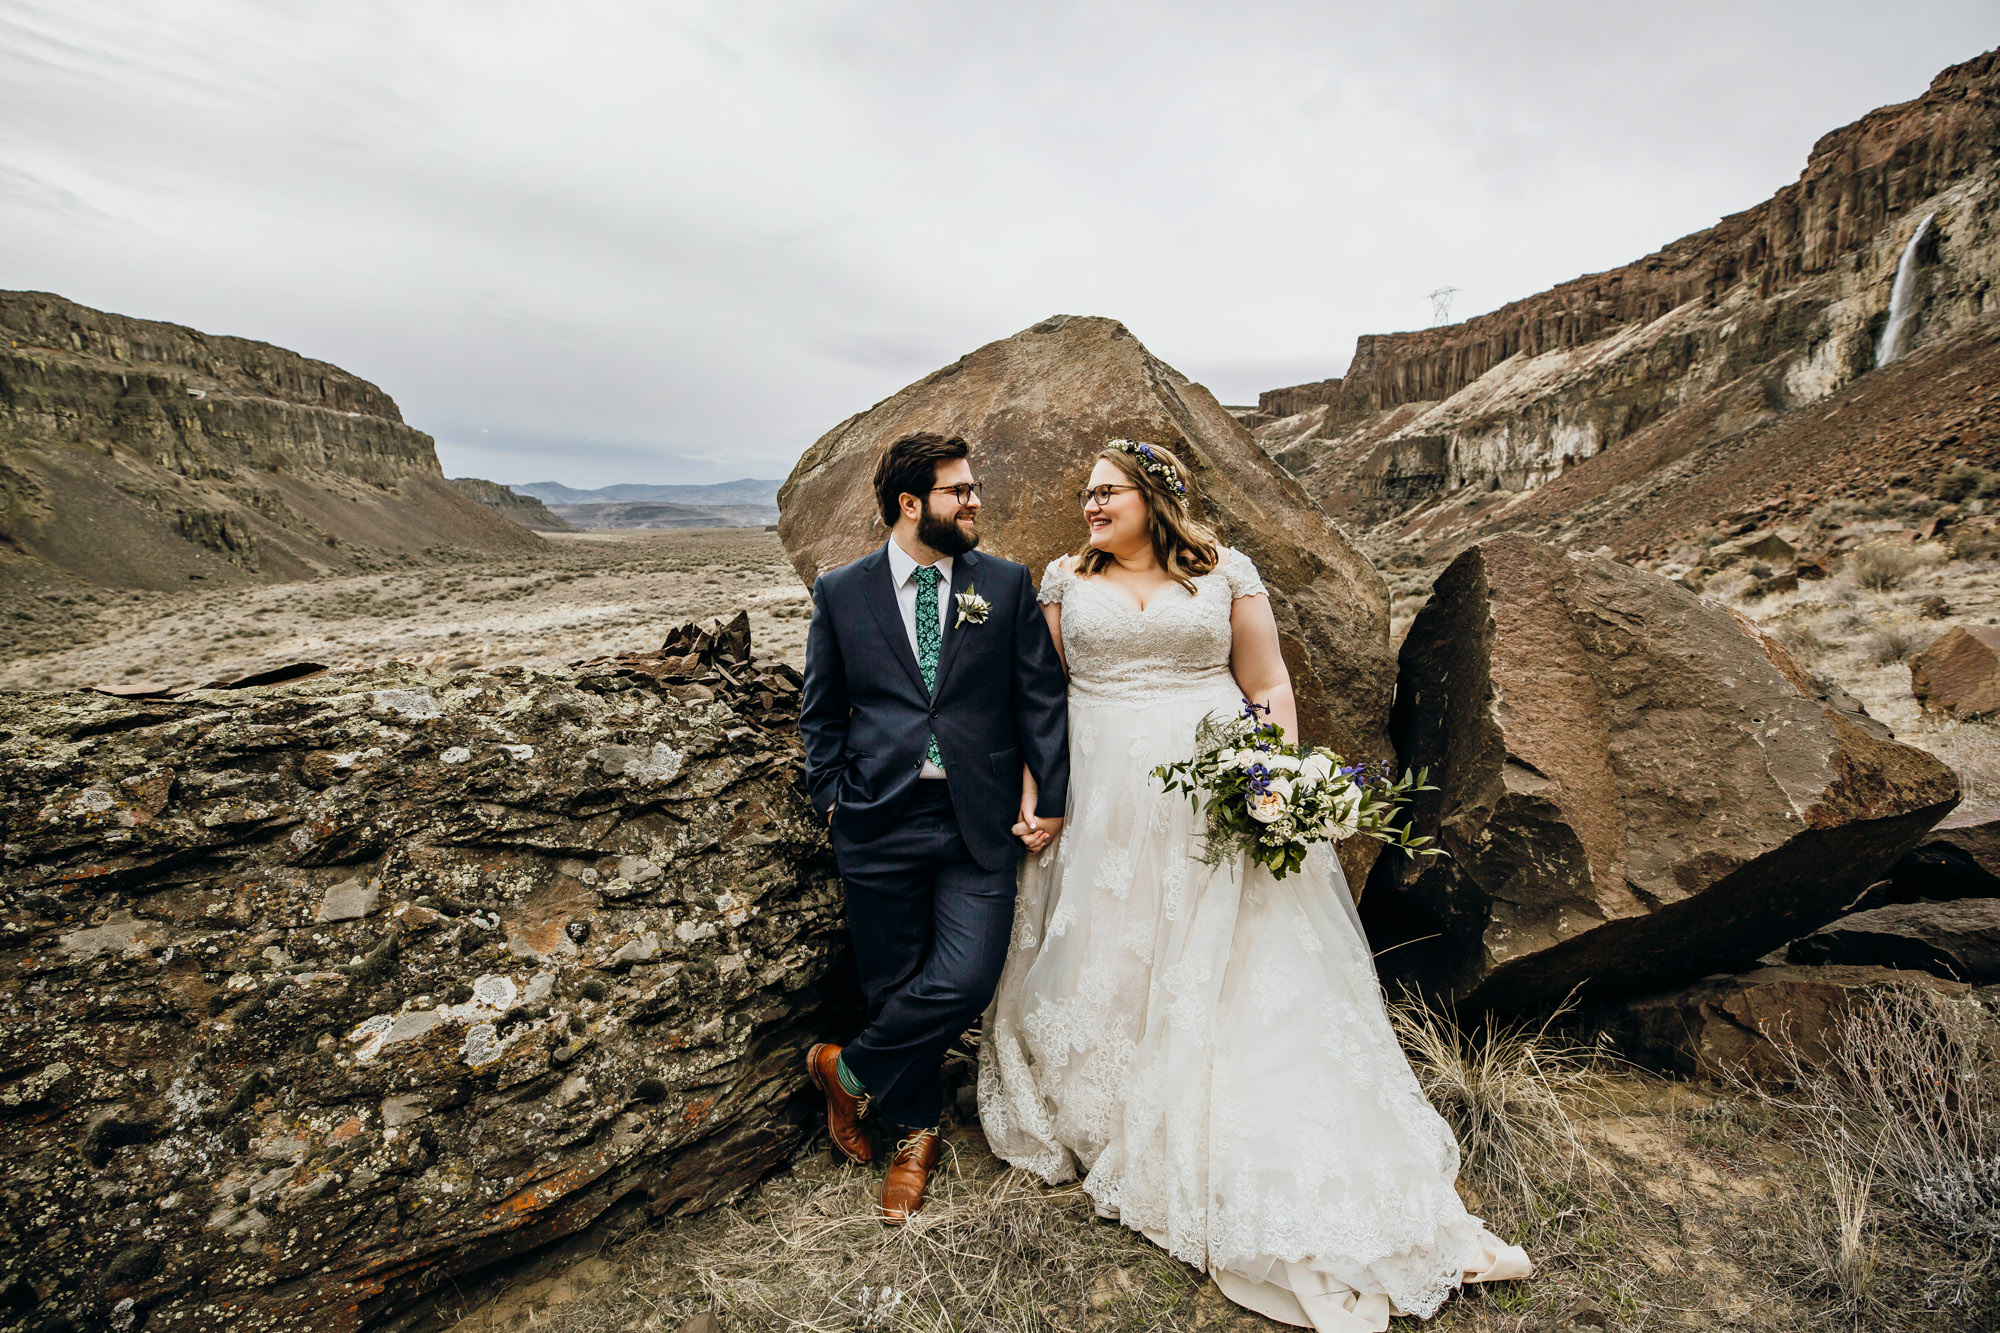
x=909 y=1172
x=844 y=1111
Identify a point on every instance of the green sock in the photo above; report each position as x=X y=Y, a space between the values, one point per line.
x=855 y=1087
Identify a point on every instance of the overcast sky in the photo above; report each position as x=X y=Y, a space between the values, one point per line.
x=594 y=241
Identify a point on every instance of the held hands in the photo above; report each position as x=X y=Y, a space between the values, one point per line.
x=1035 y=832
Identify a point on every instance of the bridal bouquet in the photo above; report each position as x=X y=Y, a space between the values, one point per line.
x=1274 y=800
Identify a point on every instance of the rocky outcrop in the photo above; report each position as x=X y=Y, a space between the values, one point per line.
x=1959 y=675
x=320 y=994
x=1636 y=787
x=1959 y=941
x=140 y=454
x=525 y=510
x=1745 y=1026
x=1036 y=408
x=1770 y=310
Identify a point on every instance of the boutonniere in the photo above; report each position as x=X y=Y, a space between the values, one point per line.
x=972 y=609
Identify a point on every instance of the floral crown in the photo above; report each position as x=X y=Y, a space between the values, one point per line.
x=1150 y=460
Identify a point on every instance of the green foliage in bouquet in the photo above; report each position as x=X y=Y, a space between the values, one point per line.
x=1272 y=801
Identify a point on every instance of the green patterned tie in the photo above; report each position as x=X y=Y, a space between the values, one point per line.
x=930 y=636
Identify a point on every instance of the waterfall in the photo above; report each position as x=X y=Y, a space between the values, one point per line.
x=1901 y=295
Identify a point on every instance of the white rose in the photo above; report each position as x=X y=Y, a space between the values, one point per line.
x=1265 y=808
x=1282 y=763
x=1282 y=786
x=1316 y=768
x=1246 y=759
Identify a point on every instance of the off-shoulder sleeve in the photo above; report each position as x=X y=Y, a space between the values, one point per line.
x=1242 y=576
x=1056 y=583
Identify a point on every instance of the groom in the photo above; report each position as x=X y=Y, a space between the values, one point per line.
x=930 y=681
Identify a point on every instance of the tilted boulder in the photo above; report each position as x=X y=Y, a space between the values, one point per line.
x=1745 y=1025
x=320 y=994
x=1635 y=787
x=1959 y=675
x=1036 y=408
x=1956 y=940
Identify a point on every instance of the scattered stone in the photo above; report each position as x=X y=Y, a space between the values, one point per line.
x=1036 y=408
x=246 y=1097
x=1724 y=1025
x=1959 y=675
x=1959 y=941
x=349 y=900
x=1636 y=787
x=1758 y=546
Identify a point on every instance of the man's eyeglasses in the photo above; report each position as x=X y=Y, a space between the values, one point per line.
x=964 y=491
x=1099 y=495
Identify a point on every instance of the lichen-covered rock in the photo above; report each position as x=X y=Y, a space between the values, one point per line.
x=316 y=995
x=1636 y=787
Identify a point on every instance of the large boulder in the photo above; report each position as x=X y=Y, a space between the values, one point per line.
x=1752 y=1024
x=321 y=994
x=1036 y=408
x=1635 y=786
x=1959 y=675
x=1957 y=940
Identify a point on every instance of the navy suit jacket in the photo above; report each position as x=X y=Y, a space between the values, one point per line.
x=1001 y=700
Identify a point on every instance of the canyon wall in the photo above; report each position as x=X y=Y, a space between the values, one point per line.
x=135 y=453
x=1773 y=308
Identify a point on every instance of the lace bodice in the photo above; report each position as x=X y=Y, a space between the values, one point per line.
x=1117 y=653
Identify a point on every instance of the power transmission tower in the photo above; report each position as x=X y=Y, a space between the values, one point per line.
x=1441 y=305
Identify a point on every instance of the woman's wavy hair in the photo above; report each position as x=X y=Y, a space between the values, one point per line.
x=1185 y=546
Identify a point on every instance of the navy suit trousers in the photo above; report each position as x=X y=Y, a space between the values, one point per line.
x=930 y=928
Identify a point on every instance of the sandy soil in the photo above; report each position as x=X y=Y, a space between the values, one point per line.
x=585 y=595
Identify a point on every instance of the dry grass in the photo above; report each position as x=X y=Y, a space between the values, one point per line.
x=1511 y=1092
x=1896 y=642
x=992 y=1249
x=1902 y=1120
x=1886 y=566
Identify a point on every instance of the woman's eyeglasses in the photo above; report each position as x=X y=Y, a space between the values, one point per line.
x=964 y=491
x=1099 y=495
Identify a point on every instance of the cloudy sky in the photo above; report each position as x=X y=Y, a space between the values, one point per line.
x=595 y=241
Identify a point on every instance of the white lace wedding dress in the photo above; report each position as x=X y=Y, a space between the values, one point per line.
x=1208 y=1047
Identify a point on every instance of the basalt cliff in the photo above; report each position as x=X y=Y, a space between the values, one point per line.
x=138 y=454
x=1627 y=407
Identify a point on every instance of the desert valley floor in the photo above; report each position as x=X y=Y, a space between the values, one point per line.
x=589 y=594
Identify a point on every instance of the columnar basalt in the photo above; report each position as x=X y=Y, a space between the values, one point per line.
x=318 y=995
x=1770 y=309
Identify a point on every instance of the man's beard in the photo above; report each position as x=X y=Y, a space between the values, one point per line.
x=943 y=535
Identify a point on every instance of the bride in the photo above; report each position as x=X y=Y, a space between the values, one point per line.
x=1207 y=1045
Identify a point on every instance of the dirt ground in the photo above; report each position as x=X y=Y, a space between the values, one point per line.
x=1698 y=1214
x=586 y=595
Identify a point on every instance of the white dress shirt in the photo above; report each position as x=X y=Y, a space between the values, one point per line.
x=902 y=573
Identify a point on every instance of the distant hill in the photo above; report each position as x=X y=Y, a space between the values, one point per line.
x=744 y=492
x=526 y=510
x=662 y=514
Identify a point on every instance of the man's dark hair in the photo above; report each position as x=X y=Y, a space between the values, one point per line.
x=909 y=466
